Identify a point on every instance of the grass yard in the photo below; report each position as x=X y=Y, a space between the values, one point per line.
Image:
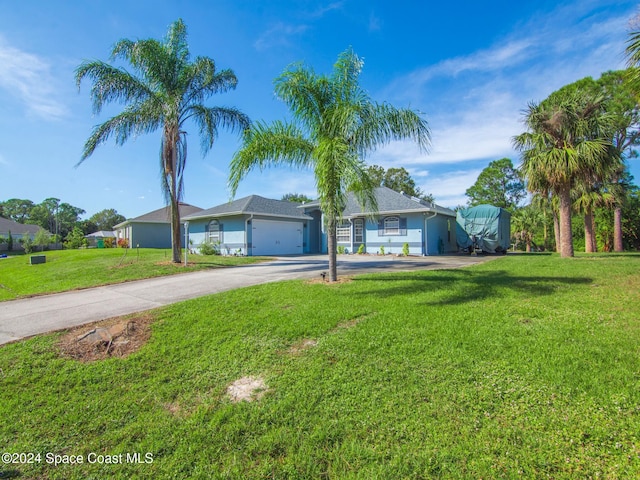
x=72 y=269
x=523 y=367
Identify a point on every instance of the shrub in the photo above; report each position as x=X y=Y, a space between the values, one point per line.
x=42 y=239
x=10 y=242
x=109 y=242
x=208 y=248
x=75 y=239
x=361 y=249
x=341 y=249
x=27 y=243
x=123 y=243
x=405 y=249
x=381 y=249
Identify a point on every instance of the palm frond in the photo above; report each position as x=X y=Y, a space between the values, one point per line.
x=133 y=121
x=209 y=119
x=269 y=145
x=111 y=84
x=382 y=123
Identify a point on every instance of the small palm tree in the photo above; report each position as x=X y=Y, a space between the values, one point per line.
x=565 y=143
x=335 y=125
x=524 y=224
x=166 y=93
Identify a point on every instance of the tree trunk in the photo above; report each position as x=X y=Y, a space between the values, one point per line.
x=528 y=246
x=175 y=230
x=332 y=249
x=566 y=236
x=170 y=161
x=617 y=230
x=545 y=234
x=556 y=230
x=590 y=245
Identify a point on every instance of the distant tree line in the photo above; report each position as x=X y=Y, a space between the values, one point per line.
x=58 y=218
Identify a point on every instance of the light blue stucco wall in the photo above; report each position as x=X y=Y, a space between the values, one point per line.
x=233 y=234
x=234 y=238
x=438 y=238
x=148 y=235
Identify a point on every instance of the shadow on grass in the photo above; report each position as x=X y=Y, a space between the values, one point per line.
x=460 y=286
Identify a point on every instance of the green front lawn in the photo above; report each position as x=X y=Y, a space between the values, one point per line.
x=72 y=269
x=523 y=367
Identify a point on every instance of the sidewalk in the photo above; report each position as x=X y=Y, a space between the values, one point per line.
x=31 y=316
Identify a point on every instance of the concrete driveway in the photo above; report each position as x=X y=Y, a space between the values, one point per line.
x=31 y=316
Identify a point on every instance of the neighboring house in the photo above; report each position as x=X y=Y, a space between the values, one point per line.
x=18 y=231
x=153 y=229
x=97 y=238
x=428 y=229
x=251 y=226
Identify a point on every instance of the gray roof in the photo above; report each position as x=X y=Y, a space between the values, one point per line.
x=162 y=215
x=16 y=228
x=389 y=201
x=101 y=234
x=253 y=204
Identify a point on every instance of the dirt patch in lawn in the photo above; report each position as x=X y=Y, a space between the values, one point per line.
x=299 y=347
x=247 y=389
x=115 y=337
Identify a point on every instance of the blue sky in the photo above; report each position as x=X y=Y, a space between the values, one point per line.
x=471 y=67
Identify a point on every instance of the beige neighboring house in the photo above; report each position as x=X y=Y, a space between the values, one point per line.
x=153 y=229
x=18 y=231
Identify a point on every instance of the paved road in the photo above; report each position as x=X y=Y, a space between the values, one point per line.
x=32 y=316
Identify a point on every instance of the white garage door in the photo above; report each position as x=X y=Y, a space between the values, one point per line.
x=271 y=237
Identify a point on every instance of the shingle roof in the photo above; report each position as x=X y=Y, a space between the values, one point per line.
x=101 y=234
x=162 y=215
x=389 y=201
x=253 y=204
x=16 y=228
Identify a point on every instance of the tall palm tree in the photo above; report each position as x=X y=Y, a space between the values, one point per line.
x=564 y=144
x=166 y=91
x=588 y=197
x=335 y=125
x=622 y=96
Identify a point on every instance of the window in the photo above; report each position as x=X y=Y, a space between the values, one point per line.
x=392 y=226
x=358 y=235
x=214 y=232
x=343 y=233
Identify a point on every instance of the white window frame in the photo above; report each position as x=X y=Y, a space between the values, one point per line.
x=358 y=231
x=343 y=233
x=391 y=226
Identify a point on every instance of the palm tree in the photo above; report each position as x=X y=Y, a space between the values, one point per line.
x=588 y=197
x=524 y=223
x=335 y=124
x=564 y=144
x=166 y=92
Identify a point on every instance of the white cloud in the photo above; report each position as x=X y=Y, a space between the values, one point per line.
x=3 y=161
x=448 y=189
x=28 y=77
x=375 y=24
x=279 y=34
x=481 y=95
x=484 y=60
x=320 y=12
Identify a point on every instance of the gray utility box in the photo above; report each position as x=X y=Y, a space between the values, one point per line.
x=35 y=259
